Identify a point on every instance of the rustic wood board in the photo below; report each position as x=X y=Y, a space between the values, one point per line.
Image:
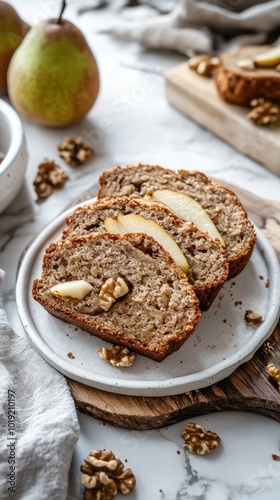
x=197 y=97
x=248 y=388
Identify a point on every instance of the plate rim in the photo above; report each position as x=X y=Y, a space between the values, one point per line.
x=154 y=388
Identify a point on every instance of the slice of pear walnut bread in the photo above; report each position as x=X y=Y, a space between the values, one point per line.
x=222 y=205
x=208 y=266
x=124 y=289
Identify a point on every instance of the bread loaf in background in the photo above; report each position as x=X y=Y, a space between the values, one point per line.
x=240 y=85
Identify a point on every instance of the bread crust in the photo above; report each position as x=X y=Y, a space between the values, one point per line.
x=113 y=331
x=221 y=204
x=241 y=86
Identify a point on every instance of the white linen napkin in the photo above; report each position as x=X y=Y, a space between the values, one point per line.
x=38 y=421
x=195 y=26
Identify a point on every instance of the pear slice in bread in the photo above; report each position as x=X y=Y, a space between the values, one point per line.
x=134 y=223
x=189 y=210
x=76 y=289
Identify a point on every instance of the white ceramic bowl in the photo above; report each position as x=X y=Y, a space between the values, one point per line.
x=13 y=148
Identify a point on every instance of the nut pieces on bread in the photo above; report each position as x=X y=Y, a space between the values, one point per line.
x=110 y=291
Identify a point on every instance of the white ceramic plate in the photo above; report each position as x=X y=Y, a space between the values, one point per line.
x=220 y=343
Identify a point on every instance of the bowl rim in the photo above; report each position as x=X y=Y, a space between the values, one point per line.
x=17 y=133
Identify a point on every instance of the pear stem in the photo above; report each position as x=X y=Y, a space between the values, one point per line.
x=61 y=11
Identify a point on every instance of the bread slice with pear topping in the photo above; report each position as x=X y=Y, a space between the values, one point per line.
x=156 y=310
x=208 y=266
x=239 y=79
x=221 y=204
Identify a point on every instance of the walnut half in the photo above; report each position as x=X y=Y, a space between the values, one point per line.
x=49 y=176
x=274 y=373
x=203 y=64
x=117 y=355
x=74 y=151
x=264 y=112
x=110 y=291
x=198 y=440
x=104 y=476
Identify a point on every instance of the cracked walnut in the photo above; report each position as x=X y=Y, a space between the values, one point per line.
x=198 y=440
x=103 y=476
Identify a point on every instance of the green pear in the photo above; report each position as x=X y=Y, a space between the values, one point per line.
x=53 y=77
x=12 y=31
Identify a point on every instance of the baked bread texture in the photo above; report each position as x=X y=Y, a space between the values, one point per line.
x=240 y=86
x=206 y=258
x=221 y=204
x=155 y=315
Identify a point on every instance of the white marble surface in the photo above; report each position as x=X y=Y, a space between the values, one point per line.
x=133 y=122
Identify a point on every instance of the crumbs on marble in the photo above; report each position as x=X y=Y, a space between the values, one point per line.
x=70 y=355
x=275 y=457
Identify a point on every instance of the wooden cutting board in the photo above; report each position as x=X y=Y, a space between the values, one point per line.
x=197 y=97
x=248 y=388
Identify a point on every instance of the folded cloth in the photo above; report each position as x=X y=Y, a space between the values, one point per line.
x=195 y=26
x=38 y=421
